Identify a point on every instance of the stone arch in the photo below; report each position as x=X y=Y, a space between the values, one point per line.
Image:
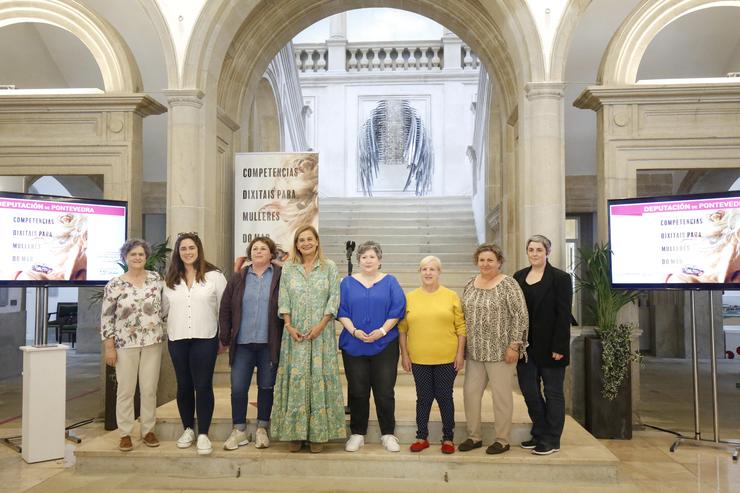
x=165 y=36
x=117 y=65
x=232 y=43
x=627 y=47
x=561 y=45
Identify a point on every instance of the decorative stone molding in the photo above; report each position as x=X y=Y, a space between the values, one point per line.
x=660 y=127
x=96 y=135
x=117 y=65
x=185 y=97
x=544 y=90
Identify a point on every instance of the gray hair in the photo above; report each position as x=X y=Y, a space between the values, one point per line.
x=431 y=259
x=133 y=243
x=369 y=245
x=540 y=239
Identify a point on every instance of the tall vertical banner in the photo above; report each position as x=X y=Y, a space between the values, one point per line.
x=275 y=193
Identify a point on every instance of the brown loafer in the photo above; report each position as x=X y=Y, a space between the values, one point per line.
x=469 y=445
x=125 y=444
x=150 y=440
x=497 y=448
x=315 y=448
x=295 y=445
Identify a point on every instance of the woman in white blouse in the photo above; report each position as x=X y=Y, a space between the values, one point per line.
x=132 y=333
x=192 y=295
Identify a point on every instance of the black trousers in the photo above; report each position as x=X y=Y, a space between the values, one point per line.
x=542 y=388
x=194 y=361
x=379 y=374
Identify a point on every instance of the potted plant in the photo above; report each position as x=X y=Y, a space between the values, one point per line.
x=608 y=354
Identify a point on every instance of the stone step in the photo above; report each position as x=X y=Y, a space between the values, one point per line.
x=448 y=258
x=396 y=213
x=248 y=483
x=374 y=201
x=336 y=245
x=427 y=232
x=582 y=460
x=430 y=238
x=350 y=222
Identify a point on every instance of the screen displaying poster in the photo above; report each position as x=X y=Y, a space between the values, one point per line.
x=59 y=241
x=275 y=193
x=676 y=242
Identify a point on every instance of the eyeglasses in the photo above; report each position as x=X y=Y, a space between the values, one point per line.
x=188 y=233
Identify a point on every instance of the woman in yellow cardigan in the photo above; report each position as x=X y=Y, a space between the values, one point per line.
x=432 y=340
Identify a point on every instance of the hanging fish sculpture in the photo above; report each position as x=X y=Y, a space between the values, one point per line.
x=395 y=134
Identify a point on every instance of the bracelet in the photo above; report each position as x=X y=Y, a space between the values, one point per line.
x=353 y=331
x=382 y=330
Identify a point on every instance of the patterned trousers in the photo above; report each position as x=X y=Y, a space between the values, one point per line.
x=434 y=382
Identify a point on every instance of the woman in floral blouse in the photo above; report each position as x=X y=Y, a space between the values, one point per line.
x=132 y=333
x=308 y=396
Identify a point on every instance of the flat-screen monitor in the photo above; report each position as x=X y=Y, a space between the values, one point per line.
x=681 y=241
x=59 y=241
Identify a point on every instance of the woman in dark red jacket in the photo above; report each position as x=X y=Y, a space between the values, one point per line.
x=250 y=327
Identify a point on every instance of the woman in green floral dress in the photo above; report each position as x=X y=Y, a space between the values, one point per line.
x=309 y=405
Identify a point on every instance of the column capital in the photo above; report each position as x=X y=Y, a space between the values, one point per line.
x=544 y=90
x=184 y=97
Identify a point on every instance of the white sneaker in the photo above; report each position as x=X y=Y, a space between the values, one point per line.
x=186 y=439
x=235 y=440
x=204 y=445
x=354 y=443
x=261 y=439
x=390 y=442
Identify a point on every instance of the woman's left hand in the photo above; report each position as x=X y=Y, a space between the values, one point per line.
x=459 y=362
x=512 y=355
x=557 y=356
x=314 y=333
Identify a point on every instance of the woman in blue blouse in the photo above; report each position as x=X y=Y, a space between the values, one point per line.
x=371 y=303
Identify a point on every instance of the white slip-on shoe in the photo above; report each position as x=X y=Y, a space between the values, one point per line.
x=204 y=445
x=354 y=443
x=390 y=442
x=236 y=439
x=261 y=439
x=186 y=439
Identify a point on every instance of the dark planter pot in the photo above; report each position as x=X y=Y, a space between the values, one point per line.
x=605 y=419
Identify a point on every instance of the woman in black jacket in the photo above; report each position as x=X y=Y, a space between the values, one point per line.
x=549 y=293
x=250 y=327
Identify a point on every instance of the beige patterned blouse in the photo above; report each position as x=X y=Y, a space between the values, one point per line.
x=496 y=318
x=131 y=315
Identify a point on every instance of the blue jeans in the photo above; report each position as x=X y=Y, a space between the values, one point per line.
x=246 y=358
x=546 y=407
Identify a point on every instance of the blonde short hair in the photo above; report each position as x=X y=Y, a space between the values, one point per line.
x=431 y=259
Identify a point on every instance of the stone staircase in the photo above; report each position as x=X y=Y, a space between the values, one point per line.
x=408 y=229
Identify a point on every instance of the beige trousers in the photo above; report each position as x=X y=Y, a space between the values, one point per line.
x=498 y=376
x=142 y=363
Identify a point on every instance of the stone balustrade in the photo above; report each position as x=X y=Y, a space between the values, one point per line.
x=389 y=56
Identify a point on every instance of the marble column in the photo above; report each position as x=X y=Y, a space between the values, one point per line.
x=541 y=171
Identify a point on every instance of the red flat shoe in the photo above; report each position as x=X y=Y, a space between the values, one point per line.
x=419 y=446
x=448 y=448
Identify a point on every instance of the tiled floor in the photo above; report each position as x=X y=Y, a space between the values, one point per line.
x=646 y=464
